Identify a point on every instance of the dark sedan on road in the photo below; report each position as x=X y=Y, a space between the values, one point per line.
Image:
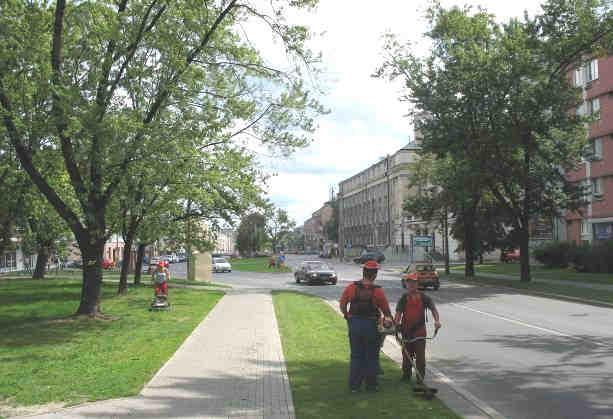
x=375 y=255
x=315 y=272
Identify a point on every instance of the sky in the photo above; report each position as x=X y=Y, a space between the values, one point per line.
x=366 y=119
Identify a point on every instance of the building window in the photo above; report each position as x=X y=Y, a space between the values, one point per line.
x=594 y=107
x=586 y=73
x=597 y=188
x=597 y=149
x=591 y=71
x=585 y=227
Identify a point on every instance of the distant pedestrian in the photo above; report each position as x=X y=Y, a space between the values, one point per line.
x=272 y=261
x=367 y=302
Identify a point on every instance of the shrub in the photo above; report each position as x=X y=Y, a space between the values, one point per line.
x=555 y=255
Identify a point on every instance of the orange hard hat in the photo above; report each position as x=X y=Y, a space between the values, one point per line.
x=371 y=264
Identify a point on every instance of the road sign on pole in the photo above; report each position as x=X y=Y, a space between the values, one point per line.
x=422 y=241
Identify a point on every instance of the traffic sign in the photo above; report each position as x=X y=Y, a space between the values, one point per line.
x=422 y=241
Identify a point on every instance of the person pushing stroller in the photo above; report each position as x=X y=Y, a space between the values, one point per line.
x=161 y=276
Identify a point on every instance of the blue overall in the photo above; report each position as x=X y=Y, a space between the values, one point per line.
x=364 y=342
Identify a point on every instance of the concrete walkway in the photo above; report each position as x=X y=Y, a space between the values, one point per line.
x=231 y=366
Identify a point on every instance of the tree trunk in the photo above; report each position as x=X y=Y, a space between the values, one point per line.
x=446 y=240
x=41 y=262
x=469 y=254
x=138 y=269
x=524 y=244
x=524 y=254
x=91 y=255
x=125 y=264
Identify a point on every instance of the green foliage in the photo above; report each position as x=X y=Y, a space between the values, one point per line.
x=251 y=236
x=494 y=102
x=331 y=227
x=103 y=89
x=555 y=254
x=593 y=258
x=50 y=357
x=278 y=225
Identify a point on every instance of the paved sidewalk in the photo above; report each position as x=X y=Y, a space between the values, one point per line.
x=232 y=365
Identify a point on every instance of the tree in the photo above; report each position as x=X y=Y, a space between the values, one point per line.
x=91 y=83
x=331 y=227
x=278 y=225
x=251 y=236
x=499 y=104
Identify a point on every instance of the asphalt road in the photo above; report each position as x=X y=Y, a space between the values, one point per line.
x=524 y=356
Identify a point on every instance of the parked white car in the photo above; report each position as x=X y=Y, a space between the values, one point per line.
x=221 y=265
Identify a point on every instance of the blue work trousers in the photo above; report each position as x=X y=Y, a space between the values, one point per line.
x=364 y=341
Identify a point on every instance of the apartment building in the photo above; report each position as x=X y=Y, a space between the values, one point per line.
x=596 y=222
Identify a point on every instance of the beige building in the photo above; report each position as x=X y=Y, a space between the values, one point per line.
x=314 y=228
x=371 y=214
x=226 y=242
x=370 y=202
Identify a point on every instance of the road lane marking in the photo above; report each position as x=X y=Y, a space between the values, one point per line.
x=496 y=316
x=488 y=410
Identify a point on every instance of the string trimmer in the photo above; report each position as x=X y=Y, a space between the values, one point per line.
x=423 y=390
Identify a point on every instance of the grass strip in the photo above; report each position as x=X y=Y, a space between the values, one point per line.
x=542 y=273
x=593 y=296
x=48 y=356
x=259 y=264
x=316 y=351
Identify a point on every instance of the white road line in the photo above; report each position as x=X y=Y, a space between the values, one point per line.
x=467 y=395
x=485 y=313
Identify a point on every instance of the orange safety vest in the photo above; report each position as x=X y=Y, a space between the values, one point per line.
x=414 y=317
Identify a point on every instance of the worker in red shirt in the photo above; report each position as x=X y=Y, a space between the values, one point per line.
x=411 y=318
x=366 y=302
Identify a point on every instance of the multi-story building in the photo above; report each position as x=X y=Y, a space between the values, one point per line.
x=596 y=220
x=370 y=202
x=226 y=242
x=313 y=228
x=371 y=211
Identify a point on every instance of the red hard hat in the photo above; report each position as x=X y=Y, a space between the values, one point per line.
x=371 y=264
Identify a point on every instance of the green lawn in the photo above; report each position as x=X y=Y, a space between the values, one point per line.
x=255 y=265
x=47 y=356
x=316 y=352
x=542 y=272
x=595 y=296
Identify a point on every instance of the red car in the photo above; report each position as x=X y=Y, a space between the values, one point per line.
x=107 y=264
x=510 y=256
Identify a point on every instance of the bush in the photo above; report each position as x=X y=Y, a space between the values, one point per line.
x=555 y=255
x=594 y=258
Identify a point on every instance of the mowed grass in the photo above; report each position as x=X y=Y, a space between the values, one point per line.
x=259 y=264
x=48 y=356
x=538 y=271
x=316 y=351
x=561 y=291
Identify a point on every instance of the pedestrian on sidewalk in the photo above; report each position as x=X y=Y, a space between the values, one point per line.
x=411 y=318
x=367 y=302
